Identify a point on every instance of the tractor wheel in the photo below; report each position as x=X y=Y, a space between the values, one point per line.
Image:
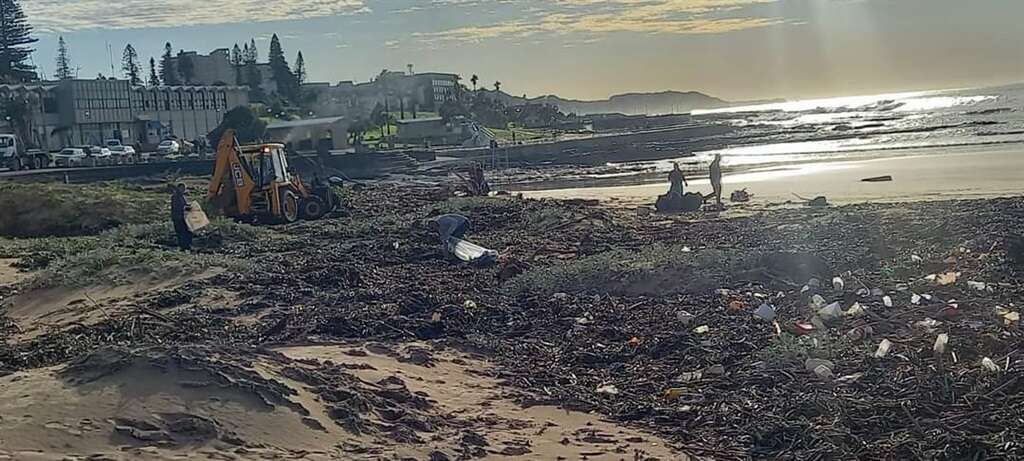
x=289 y=207
x=312 y=208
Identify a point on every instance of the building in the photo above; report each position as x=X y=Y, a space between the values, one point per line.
x=314 y=134
x=212 y=69
x=86 y=112
x=438 y=131
x=399 y=91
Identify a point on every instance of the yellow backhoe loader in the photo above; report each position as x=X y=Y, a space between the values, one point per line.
x=253 y=183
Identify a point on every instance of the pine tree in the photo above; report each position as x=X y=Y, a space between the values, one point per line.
x=186 y=68
x=130 y=65
x=15 y=44
x=63 y=61
x=168 y=74
x=300 y=69
x=252 y=49
x=154 y=79
x=236 y=63
x=280 y=70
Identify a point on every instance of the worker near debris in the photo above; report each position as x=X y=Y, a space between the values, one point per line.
x=676 y=180
x=451 y=225
x=716 y=178
x=180 y=206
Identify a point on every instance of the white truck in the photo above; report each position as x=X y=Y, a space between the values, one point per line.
x=16 y=156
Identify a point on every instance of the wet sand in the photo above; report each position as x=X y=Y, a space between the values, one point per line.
x=975 y=172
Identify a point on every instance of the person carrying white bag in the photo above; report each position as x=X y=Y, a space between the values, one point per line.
x=187 y=217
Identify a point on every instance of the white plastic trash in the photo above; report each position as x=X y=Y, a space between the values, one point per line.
x=989 y=365
x=765 y=312
x=887 y=301
x=838 y=284
x=940 y=343
x=470 y=252
x=195 y=218
x=883 y=349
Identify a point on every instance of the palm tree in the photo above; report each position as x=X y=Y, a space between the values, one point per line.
x=473 y=80
x=497 y=86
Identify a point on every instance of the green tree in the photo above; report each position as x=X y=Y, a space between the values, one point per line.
x=168 y=74
x=154 y=78
x=63 y=61
x=280 y=71
x=186 y=68
x=248 y=127
x=473 y=80
x=130 y=65
x=236 y=63
x=15 y=44
x=300 y=69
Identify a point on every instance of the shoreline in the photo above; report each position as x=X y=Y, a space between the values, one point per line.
x=921 y=175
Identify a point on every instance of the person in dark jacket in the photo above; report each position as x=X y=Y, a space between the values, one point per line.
x=180 y=206
x=676 y=180
x=716 y=178
x=451 y=225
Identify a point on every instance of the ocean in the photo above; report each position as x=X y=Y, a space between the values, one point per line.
x=859 y=127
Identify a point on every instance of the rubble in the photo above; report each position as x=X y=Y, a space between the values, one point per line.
x=560 y=346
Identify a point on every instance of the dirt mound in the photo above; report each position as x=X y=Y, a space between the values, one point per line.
x=323 y=402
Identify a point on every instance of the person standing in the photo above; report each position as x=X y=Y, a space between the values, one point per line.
x=716 y=178
x=180 y=206
x=676 y=180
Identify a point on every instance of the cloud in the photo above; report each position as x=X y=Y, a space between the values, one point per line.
x=599 y=17
x=70 y=15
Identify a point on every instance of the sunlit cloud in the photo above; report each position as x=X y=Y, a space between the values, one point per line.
x=596 y=17
x=71 y=15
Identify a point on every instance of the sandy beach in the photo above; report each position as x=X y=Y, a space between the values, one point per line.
x=918 y=175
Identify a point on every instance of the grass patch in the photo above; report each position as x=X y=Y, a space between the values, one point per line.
x=123 y=254
x=59 y=210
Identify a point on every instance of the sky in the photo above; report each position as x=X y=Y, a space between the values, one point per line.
x=585 y=49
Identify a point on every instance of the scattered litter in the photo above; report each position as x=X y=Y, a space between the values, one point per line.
x=838 y=284
x=691 y=376
x=469 y=304
x=736 y=305
x=608 y=389
x=877 y=292
x=940 y=343
x=980 y=286
x=702 y=329
x=947 y=278
x=684 y=317
x=927 y=324
x=862 y=292
x=740 y=196
x=915 y=299
x=1011 y=317
x=435 y=317
x=856 y=310
x=915 y=258
x=673 y=393
x=803 y=328
x=634 y=341
x=812 y=364
x=830 y=312
x=883 y=349
x=885 y=178
x=470 y=252
x=765 y=312
x=585 y=320
x=989 y=365
x=860 y=333
x=850 y=378
x=560 y=296
x=817 y=302
x=824 y=373
x=887 y=301
x=717 y=370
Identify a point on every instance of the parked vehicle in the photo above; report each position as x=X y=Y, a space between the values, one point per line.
x=15 y=155
x=100 y=155
x=168 y=147
x=69 y=157
x=123 y=155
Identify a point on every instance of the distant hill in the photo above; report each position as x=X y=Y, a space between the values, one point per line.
x=664 y=102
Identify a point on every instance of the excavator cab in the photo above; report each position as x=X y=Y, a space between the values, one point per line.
x=255 y=183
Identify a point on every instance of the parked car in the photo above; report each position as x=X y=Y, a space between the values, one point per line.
x=123 y=155
x=168 y=147
x=100 y=155
x=69 y=157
